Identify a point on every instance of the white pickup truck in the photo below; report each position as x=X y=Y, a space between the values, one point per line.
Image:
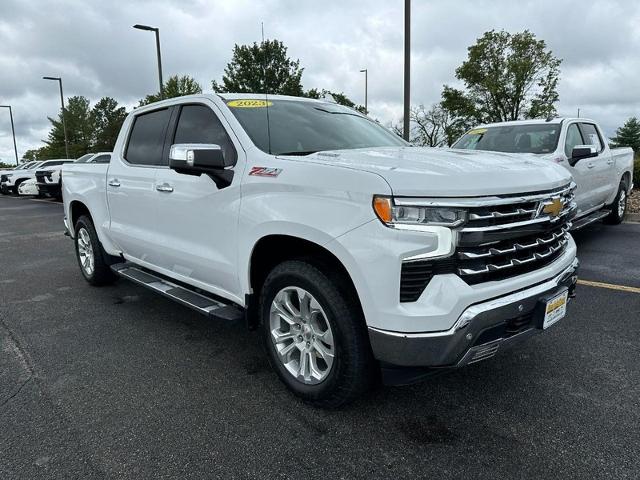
x=604 y=176
x=353 y=252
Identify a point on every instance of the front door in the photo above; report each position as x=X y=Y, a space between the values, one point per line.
x=198 y=219
x=581 y=171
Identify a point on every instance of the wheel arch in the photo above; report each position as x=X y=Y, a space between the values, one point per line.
x=272 y=249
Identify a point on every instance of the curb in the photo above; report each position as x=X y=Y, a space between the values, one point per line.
x=632 y=217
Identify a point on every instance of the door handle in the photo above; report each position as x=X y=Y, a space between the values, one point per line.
x=610 y=161
x=165 y=187
x=590 y=165
x=114 y=182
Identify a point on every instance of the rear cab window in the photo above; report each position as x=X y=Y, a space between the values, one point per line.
x=146 y=139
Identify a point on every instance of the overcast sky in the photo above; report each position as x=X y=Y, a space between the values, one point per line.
x=92 y=46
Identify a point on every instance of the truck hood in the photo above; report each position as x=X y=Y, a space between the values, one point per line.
x=437 y=172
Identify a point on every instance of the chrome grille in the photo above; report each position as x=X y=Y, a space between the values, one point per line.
x=502 y=238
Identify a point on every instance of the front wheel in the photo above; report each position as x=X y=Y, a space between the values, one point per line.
x=315 y=335
x=618 y=207
x=90 y=254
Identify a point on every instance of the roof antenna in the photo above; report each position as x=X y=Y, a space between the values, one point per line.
x=264 y=78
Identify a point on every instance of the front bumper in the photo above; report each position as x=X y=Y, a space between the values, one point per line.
x=480 y=332
x=53 y=189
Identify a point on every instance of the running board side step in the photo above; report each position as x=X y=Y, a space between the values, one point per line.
x=199 y=302
x=589 y=219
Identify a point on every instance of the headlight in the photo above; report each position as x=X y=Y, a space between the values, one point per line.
x=392 y=215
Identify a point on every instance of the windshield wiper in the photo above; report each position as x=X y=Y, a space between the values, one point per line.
x=299 y=153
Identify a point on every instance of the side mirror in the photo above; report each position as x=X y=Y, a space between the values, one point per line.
x=581 y=152
x=196 y=158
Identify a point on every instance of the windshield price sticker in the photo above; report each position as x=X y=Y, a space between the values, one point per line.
x=249 y=103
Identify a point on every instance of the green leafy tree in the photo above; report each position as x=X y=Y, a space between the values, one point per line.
x=175 y=86
x=261 y=68
x=506 y=77
x=340 y=98
x=79 y=131
x=106 y=120
x=628 y=135
x=31 y=155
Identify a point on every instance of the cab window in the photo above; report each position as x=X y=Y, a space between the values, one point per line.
x=146 y=140
x=199 y=124
x=591 y=135
x=574 y=138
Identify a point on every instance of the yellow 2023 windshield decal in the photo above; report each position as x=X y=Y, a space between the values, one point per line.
x=477 y=131
x=249 y=103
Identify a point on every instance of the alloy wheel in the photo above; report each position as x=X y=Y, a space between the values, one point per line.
x=301 y=335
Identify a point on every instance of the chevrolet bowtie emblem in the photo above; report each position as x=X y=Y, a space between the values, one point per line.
x=553 y=208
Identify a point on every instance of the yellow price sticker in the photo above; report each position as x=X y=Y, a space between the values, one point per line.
x=249 y=103
x=477 y=131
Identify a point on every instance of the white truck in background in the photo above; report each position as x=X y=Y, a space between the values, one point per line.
x=603 y=175
x=350 y=250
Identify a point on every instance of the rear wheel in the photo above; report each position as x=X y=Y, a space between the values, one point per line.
x=92 y=258
x=618 y=207
x=315 y=335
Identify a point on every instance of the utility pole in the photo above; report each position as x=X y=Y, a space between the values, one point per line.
x=64 y=125
x=13 y=131
x=157 y=32
x=407 y=68
x=366 y=87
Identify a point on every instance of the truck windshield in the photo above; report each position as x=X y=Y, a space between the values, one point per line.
x=533 y=138
x=305 y=127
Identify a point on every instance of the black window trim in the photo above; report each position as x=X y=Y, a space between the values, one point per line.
x=173 y=128
x=165 y=162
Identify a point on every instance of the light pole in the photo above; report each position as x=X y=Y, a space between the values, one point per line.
x=13 y=131
x=157 y=32
x=407 y=68
x=366 y=74
x=64 y=125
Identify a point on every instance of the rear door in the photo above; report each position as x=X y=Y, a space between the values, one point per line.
x=199 y=218
x=581 y=171
x=131 y=190
x=600 y=166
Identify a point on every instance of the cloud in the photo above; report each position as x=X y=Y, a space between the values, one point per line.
x=93 y=46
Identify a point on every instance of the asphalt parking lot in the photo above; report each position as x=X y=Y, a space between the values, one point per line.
x=117 y=382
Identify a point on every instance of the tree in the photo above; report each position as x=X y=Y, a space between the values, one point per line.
x=261 y=68
x=31 y=155
x=175 y=86
x=106 y=120
x=79 y=131
x=340 y=98
x=506 y=77
x=628 y=135
x=433 y=127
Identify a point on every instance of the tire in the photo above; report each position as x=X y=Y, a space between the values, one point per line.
x=618 y=207
x=92 y=259
x=16 y=186
x=349 y=370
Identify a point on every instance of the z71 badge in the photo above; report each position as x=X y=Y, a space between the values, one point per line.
x=265 y=171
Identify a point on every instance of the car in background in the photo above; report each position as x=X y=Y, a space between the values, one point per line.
x=49 y=178
x=603 y=175
x=10 y=182
x=19 y=167
x=28 y=187
x=23 y=172
x=100 y=157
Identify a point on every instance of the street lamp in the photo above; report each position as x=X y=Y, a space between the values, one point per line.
x=407 y=68
x=64 y=126
x=13 y=131
x=157 y=32
x=366 y=74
